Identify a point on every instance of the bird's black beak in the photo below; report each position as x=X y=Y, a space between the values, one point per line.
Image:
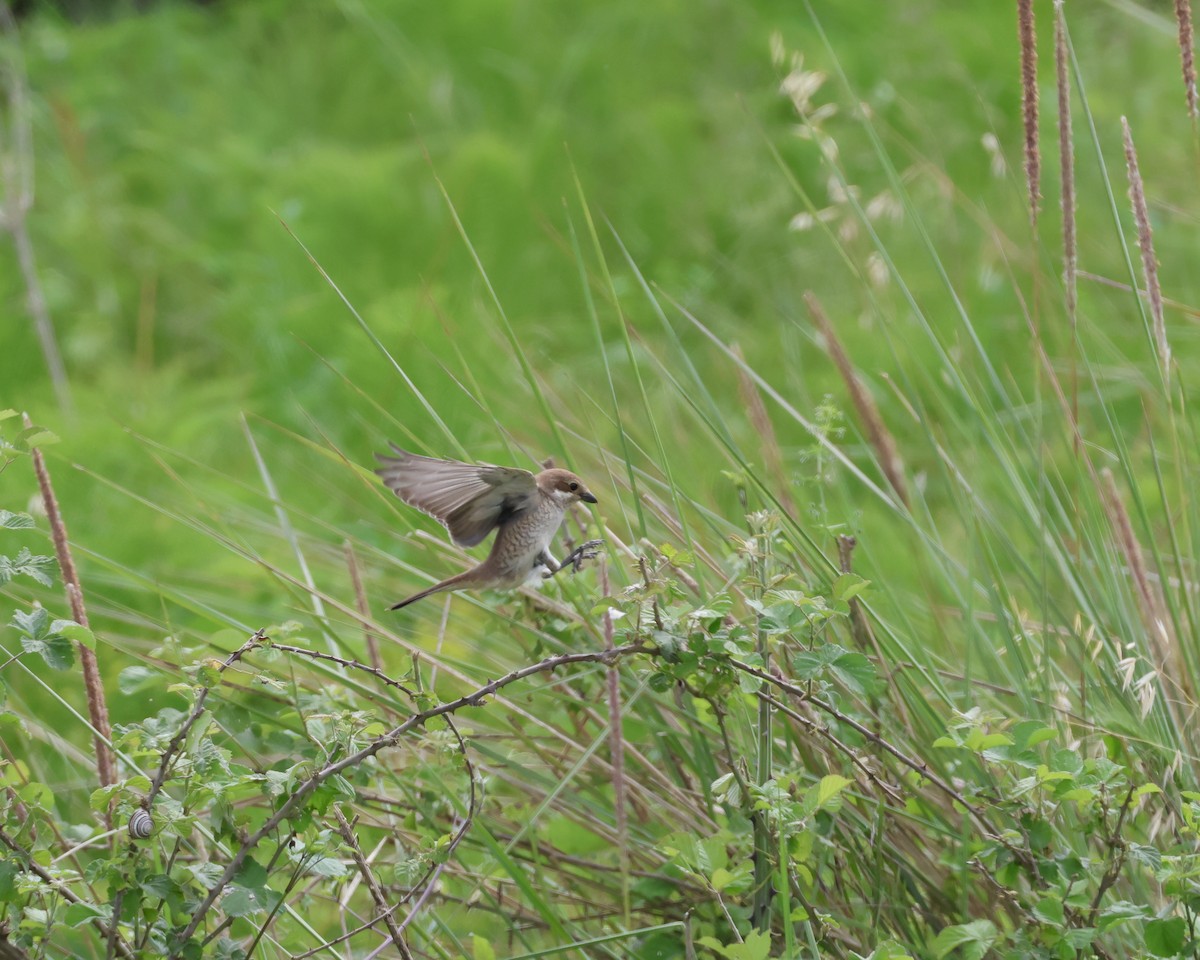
x=588 y=498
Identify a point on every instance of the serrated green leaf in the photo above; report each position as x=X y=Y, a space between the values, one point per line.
x=325 y=867
x=8 y=881
x=137 y=678
x=252 y=874
x=55 y=649
x=848 y=586
x=15 y=521
x=756 y=946
x=243 y=901
x=829 y=788
x=101 y=797
x=1123 y=911
x=1080 y=937
x=975 y=938
x=34 y=624
x=36 y=794
x=856 y=673
x=1164 y=938
x=1049 y=910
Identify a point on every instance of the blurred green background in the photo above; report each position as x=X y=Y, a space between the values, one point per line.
x=173 y=144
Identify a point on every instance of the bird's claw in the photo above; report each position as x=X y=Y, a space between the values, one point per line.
x=585 y=551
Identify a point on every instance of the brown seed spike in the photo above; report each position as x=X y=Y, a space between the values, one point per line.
x=1187 y=53
x=864 y=404
x=1029 y=104
x=1141 y=216
x=1066 y=150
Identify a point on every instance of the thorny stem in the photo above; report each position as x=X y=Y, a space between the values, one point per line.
x=346 y=829
x=61 y=889
x=176 y=744
x=388 y=739
x=93 y=686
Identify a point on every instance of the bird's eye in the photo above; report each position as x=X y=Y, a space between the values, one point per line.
x=574 y=486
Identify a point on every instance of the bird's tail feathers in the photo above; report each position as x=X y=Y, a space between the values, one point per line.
x=451 y=583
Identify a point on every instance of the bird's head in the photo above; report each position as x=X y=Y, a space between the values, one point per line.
x=563 y=487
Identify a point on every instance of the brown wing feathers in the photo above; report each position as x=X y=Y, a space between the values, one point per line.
x=469 y=499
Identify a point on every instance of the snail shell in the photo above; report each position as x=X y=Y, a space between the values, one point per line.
x=140 y=825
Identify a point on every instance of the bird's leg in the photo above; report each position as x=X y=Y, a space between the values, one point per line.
x=585 y=551
x=548 y=563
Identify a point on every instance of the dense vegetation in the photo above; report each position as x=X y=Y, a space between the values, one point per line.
x=894 y=649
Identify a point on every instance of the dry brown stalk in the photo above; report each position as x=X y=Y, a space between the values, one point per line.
x=1141 y=215
x=761 y=421
x=97 y=706
x=1029 y=104
x=864 y=404
x=346 y=829
x=1066 y=152
x=16 y=174
x=860 y=626
x=616 y=737
x=1153 y=615
x=1066 y=159
x=1187 y=54
x=360 y=601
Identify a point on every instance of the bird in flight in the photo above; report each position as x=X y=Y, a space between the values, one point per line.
x=472 y=499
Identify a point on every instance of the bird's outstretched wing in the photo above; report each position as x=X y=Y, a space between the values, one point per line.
x=468 y=498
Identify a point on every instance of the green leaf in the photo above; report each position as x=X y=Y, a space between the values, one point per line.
x=976 y=939
x=251 y=874
x=1121 y=912
x=34 y=436
x=15 y=521
x=34 y=624
x=37 y=794
x=829 y=788
x=853 y=670
x=481 y=949
x=1164 y=938
x=890 y=950
x=1145 y=855
x=848 y=586
x=244 y=901
x=1080 y=937
x=101 y=797
x=856 y=673
x=1049 y=910
x=756 y=946
x=137 y=678
x=55 y=649
x=325 y=867
x=77 y=914
x=8 y=878
x=721 y=878
x=75 y=631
